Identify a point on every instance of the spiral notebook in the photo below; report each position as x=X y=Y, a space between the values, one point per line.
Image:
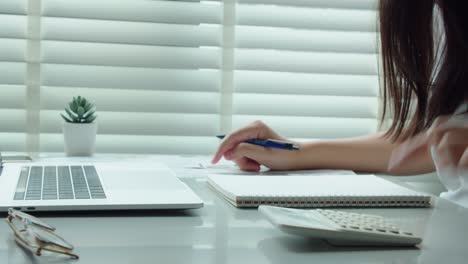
x=316 y=191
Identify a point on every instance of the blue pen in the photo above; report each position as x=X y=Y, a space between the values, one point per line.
x=269 y=143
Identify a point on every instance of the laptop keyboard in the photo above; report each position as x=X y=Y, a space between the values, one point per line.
x=59 y=182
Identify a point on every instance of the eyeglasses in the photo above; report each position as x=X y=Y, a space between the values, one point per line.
x=36 y=235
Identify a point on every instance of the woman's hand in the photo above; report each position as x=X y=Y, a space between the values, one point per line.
x=249 y=157
x=448 y=138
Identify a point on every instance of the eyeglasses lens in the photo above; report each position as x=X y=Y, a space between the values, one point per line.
x=47 y=236
x=29 y=219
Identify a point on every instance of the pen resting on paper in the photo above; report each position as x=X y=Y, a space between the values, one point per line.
x=269 y=143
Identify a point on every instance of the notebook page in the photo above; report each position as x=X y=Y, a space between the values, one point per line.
x=308 y=186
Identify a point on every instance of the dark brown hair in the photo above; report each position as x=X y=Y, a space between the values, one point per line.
x=418 y=66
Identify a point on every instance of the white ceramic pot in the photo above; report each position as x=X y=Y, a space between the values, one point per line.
x=80 y=139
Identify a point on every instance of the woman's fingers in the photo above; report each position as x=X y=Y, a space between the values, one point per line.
x=232 y=140
x=254 y=130
x=275 y=159
x=463 y=162
x=450 y=147
x=249 y=157
x=454 y=125
x=247 y=164
x=245 y=150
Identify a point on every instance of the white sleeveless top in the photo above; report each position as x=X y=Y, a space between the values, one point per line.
x=455 y=180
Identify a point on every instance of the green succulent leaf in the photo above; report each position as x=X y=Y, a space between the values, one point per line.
x=80 y=112
x=73 y=106
x=72 y=115
x=66 y=119
x=88 y=106
x=89 y=112
x=90 y=118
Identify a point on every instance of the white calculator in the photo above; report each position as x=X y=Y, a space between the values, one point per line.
x=339 y=228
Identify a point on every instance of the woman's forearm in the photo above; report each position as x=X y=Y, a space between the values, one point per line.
x=367 y=153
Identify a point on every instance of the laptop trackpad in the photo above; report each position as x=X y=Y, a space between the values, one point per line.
x=138 y=177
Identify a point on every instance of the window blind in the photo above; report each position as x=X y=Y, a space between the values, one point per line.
x=13 y=71
x=308 y=68
x=151 y=67
x=168 y=75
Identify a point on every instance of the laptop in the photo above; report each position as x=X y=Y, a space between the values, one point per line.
x=93 y=186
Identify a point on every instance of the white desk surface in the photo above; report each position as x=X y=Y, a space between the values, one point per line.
x=219 y=233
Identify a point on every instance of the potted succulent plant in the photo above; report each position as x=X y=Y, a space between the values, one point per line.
x=80 y=128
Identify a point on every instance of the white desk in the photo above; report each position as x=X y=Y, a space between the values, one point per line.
x=220 y=233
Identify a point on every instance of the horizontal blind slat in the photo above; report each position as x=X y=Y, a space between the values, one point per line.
x=313 y=62
x=141 y=123
x=305 y=40
x=354 y=4
x=310 y=18
x=312 y=127
x=13 y=120
x=15 y=142
x=135 y=10
x=134 y=100
x=16 y=7
x=12 y=50
x=304 y=83
x=12 y=97
x=12 y=73
x=302 y=105
x=130 y=78
x=139 y=144
x=13 y=26
x=85 y=53
x=92 y=30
